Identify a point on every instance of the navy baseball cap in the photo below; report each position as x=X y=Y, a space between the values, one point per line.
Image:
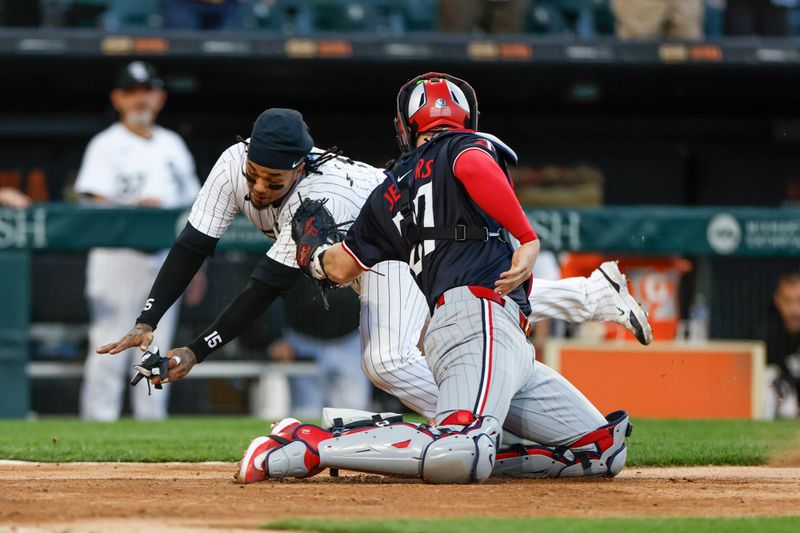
x=280 y=139
x=139 y=74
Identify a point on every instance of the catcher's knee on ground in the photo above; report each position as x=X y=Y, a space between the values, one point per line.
x=602 y=452
x=461 y=450
x=465 y=454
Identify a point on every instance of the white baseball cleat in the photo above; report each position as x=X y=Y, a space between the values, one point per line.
x=629 y=314
x=251 y=467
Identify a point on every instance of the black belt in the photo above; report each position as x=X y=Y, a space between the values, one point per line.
x=458 y=233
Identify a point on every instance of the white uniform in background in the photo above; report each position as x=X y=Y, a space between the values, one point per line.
x=339 y=380
x=125 y=168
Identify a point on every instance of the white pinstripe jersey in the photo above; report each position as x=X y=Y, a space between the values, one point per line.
x=346 y=184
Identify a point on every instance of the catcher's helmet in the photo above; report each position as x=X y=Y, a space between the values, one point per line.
x=431 y=101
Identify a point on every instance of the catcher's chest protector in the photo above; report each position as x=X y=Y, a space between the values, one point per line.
x=448 y=239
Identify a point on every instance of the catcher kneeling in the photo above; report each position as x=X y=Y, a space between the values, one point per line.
x=447 y=207
x=462 y=449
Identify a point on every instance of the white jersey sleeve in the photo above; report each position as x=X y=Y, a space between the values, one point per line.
x=216 y=205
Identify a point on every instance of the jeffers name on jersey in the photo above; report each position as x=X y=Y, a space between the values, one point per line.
x=439 y=200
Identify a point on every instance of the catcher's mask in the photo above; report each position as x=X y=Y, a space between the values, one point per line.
x=434 y=100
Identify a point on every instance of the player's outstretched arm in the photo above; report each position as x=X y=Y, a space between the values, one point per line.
x=141 y=335
x=183 y=261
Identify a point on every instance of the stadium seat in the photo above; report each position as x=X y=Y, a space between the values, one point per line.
x=73 y=13
x=131 y=14
x=545 y=17
x=714 y=19
x=604 y=21
x=421 y=15
x=285 y=16
x=382 y=16
x=582 y=18
x=794 y=20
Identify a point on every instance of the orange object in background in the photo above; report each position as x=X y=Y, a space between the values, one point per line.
x=653 y=282
x=667 y=379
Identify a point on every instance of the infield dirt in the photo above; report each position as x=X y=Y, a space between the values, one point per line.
x=186 y=497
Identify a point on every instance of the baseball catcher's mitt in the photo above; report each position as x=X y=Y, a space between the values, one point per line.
x=313 y=226
x=152 y=364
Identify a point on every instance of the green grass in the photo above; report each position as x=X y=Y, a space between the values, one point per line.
x=179 y=439
x=653 y=443
x=545 y=525
x=710 y=442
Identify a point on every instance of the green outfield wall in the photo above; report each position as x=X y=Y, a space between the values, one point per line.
x=654 y=230
x=635 y=229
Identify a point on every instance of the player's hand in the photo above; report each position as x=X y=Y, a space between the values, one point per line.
x=521 y=266
x=14 y=198
x=181 y=361
x=281 y=351
x=141 y=335
x=149 y=202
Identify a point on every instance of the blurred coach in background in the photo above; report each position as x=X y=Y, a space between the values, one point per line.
x=133 y=162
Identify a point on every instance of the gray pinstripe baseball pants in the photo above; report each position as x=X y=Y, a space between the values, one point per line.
x=483 y=363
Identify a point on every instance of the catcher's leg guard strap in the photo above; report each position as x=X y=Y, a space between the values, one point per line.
x=602 y=452
x=339 y=419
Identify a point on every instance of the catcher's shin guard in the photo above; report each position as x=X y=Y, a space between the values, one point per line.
x=602 y=452
x=297 y=455
x=461 y=450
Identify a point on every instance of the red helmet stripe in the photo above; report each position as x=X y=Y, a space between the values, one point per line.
x=439 y=108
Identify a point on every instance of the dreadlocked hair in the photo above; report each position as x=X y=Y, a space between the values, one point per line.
x=313 y=165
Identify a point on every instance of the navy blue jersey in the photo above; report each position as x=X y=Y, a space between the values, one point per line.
x=439 y=200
